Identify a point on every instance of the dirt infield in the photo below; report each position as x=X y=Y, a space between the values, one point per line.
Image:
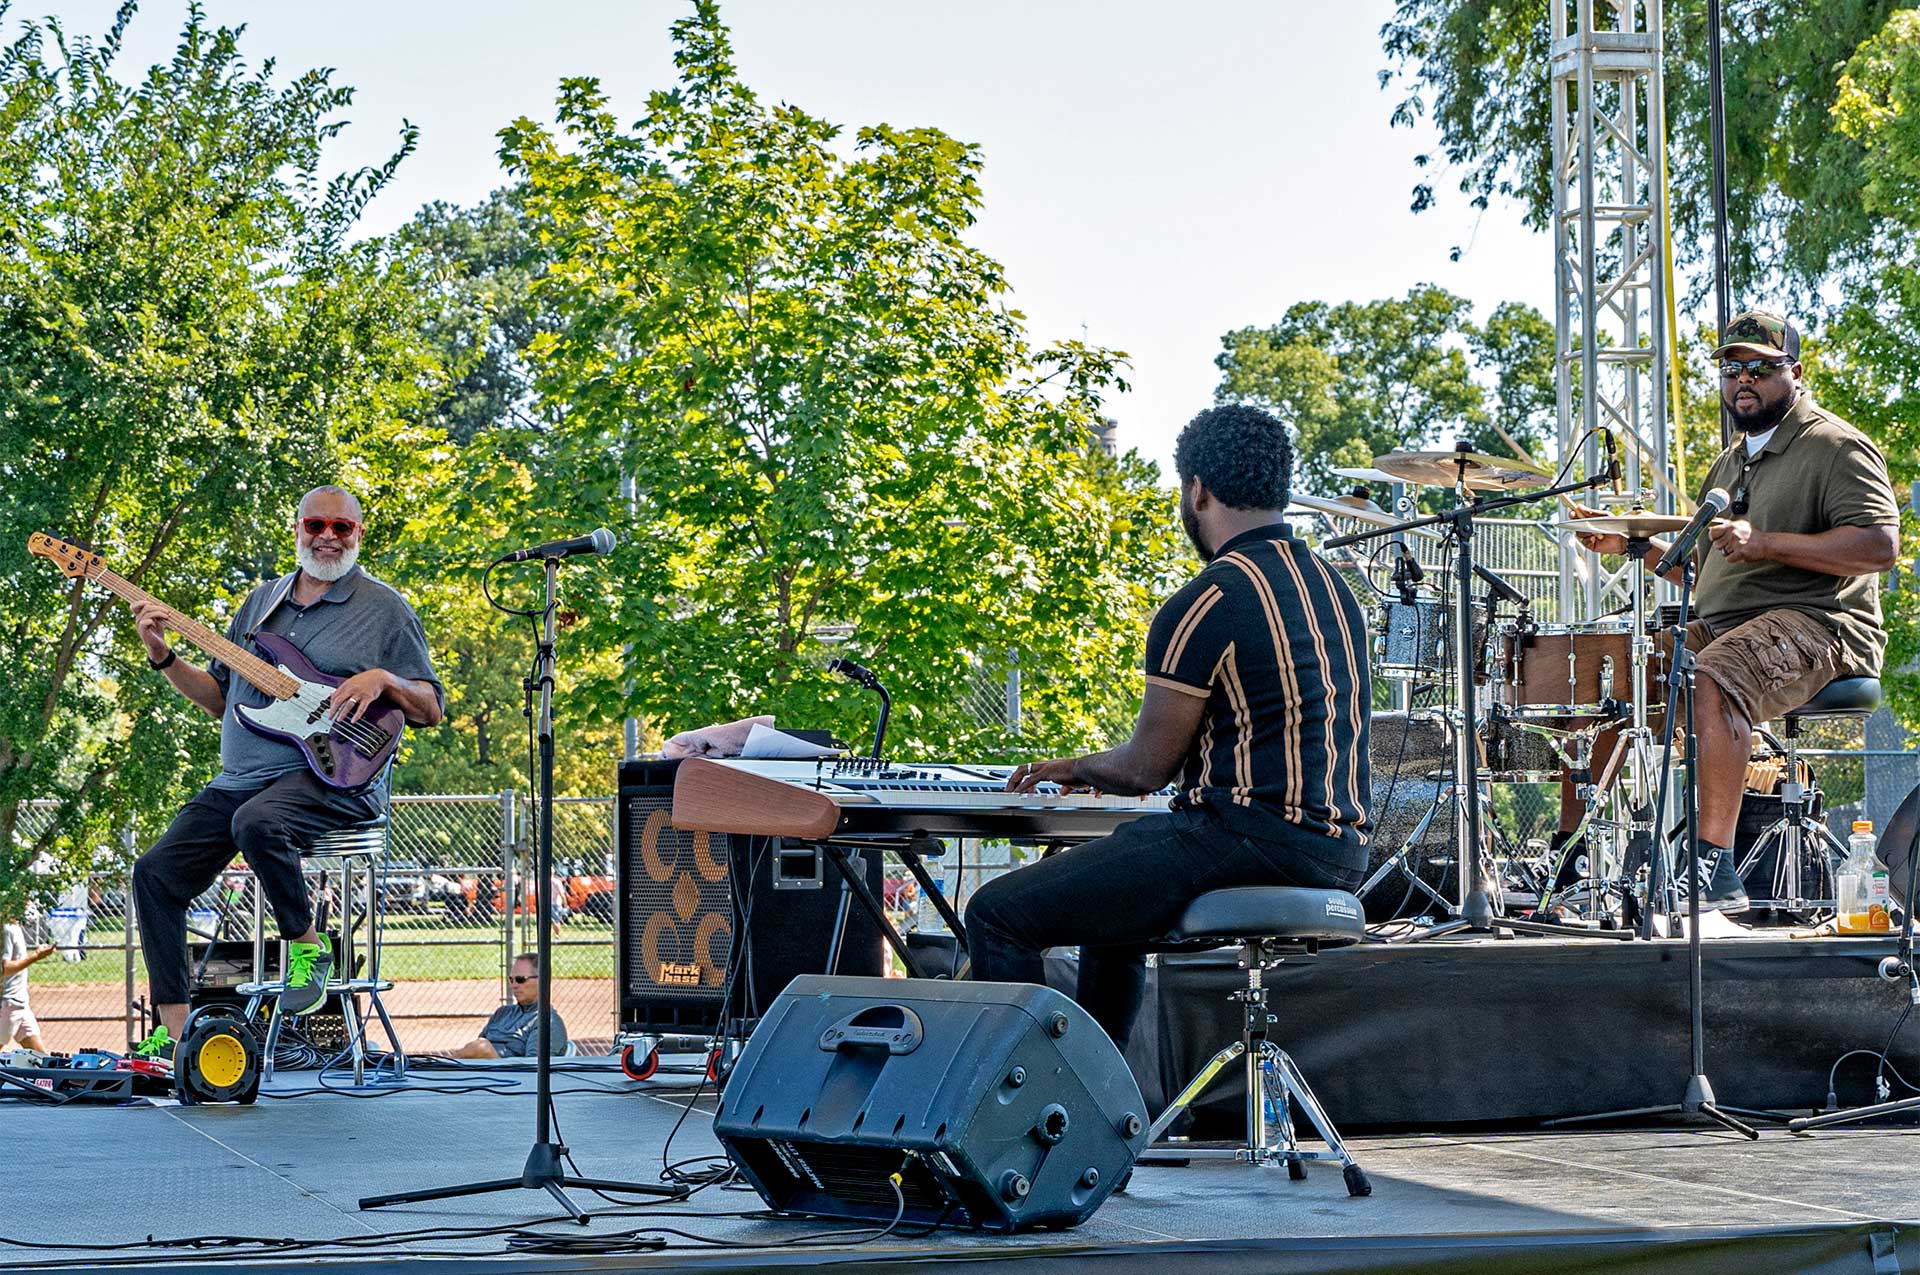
x=429 y=1015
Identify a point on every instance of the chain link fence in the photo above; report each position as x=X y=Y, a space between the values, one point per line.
x=453 y=863
x=457 y=893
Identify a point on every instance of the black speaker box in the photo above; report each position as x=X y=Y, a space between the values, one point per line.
x=997 y=1106
x=680 y=899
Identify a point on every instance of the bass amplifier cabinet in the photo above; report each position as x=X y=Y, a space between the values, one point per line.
x=997 y=1106
x=680 y=910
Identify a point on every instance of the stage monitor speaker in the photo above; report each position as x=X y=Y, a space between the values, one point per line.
x=677 y=910
x=997 y=1106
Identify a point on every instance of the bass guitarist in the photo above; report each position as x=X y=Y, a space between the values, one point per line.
x=266 y=803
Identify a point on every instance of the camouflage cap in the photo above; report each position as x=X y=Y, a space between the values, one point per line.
x=1762 y=330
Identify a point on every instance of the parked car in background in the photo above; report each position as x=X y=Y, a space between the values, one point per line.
x=403 y=886
x=589 y=894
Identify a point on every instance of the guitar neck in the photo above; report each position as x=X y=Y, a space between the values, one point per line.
x=242 y=661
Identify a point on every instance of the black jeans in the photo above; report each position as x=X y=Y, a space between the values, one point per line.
x=1112 y=895
x=267 y=827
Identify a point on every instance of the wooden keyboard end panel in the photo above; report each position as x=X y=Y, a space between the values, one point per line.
x=709 y=797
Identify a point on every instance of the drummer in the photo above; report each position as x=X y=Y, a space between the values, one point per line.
x=1788 y=593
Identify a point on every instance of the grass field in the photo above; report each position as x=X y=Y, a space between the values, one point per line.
x=418 y=948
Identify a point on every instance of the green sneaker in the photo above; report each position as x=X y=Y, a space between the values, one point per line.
x=157 y=1047
x=308 y=966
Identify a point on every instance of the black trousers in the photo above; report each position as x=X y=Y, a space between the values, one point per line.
x=1113 y=895
x=268 y=828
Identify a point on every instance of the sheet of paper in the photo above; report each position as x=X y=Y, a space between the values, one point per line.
x=767 y=744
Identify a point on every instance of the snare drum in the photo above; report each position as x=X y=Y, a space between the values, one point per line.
x=1411 y=639
x=1560 y=671
x=1519 y=752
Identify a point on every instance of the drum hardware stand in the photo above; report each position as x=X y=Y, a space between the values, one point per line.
x=1790 y=834
x=1904 y=826
x=1698 y=1098
x=1475 y=912
x=546 y=1164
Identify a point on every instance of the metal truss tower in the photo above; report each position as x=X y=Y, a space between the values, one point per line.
x=1609 y=232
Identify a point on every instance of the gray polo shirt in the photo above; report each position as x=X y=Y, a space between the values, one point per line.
x=514 y=1031
x=357 y=624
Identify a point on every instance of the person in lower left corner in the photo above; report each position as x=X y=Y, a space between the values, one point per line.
x=514 y=1029
x=17 y=1023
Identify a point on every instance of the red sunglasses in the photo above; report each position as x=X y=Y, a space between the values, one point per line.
x=342 y=527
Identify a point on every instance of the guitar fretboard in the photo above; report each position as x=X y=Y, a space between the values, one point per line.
x=239 y=659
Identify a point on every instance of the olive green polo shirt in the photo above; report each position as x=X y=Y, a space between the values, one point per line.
x=1816 y=473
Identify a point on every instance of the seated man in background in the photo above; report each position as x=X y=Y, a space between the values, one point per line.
x=514 y=1029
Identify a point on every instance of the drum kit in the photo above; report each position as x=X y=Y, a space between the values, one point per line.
x=1574 y=704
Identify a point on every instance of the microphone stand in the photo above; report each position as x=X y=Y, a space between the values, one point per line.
x=544 y=1169
x=1475 y=912
x=1697 y=1099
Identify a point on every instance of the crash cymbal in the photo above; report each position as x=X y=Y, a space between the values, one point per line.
x=1443 y=469
x=1635 y=526
x=1368 y=475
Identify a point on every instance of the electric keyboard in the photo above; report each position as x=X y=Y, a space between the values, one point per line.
x=862 y=797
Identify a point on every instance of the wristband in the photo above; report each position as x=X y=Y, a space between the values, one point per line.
x=157 y=665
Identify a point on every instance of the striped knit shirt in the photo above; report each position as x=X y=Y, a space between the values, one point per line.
x=1275 y=643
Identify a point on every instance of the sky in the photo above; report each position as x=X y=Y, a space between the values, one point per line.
x=1156 y=175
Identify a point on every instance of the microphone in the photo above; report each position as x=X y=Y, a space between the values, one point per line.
x=867 y=678
x=1712 y=505
x=854 y=673
x=1499 y=587
x=600 y=541
x=1415 y=572
x=1613 y=461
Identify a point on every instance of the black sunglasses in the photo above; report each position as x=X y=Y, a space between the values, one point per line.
x=524 y=978
x=1732 y=368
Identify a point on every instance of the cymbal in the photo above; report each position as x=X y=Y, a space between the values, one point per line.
x=1367 y=475
x=1443 y=469
x=1359 y=513
x=1635 y=526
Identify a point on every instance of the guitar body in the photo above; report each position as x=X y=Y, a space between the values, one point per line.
x=345 y=755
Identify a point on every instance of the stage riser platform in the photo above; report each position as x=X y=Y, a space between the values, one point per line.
x=1488 y=1031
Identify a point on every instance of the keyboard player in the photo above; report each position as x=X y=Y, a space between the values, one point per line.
x=1257 y=698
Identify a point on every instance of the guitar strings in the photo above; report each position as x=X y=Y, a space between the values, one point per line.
x=366 y=740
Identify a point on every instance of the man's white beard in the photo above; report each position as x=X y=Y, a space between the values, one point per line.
x=327 y=572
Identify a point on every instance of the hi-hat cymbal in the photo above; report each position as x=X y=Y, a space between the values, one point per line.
x=1634 y=526
x=1367 y=475
x=1445 y=469
x=1359 y=513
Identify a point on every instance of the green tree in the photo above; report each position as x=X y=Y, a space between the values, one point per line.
x=1478 y=70
x=185 y=336
x=831 y=418
x=1361 y=378
x=1868 y=368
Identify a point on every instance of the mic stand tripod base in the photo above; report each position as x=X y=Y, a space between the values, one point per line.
x=542 y=1172
x=1698 y=1101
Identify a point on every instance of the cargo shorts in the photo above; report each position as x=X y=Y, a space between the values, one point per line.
x=1770 y=664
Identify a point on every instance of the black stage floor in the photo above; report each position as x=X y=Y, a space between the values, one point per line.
x=294 y=1167
x=1506 y=1199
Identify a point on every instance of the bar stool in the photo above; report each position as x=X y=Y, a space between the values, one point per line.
x=1841 y=699
x=357 y=853
x=1267 y=923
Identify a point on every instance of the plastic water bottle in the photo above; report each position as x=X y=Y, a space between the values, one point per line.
x=1853 y=884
